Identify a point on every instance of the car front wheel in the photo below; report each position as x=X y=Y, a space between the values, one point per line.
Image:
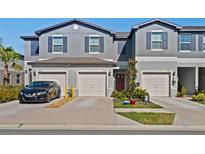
x=59 y=94
x=48 y=99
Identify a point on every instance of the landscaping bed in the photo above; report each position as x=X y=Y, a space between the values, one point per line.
x=59 y=102
x=9 y=93
x=150 y=118
x=139 y=104
x=199 y=97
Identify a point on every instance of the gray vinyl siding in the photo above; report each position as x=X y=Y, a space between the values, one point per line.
x=154 y=66
x=76 y=43
x=12 y=77
x=141 y=43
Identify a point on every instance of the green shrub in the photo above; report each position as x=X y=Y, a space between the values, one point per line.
x=121 y=95
x=114 y=93
x=9 y=93
x=183 y=92
x=199 y=97
x=140 y=93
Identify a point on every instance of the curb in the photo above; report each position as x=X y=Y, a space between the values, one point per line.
x=102 y=127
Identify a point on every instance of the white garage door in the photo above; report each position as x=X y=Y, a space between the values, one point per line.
x=91 y=84
x=156 y=84
x=58 y=77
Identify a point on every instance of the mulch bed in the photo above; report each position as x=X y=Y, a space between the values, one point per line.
x=60 y=102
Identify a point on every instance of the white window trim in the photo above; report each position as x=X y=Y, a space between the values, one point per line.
x=53 y=52
x=156 y=31
x=95 y=53
x=157 y=50
x=186 y=51
x=184 y=42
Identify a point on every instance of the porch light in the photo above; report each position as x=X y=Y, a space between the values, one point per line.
x=173 y=73
x=34 y=73
x=109 y=73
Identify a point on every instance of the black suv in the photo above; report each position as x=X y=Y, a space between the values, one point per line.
x=40 y=91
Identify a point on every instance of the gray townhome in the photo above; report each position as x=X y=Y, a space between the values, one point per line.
x=15 y=77
x=94 y=59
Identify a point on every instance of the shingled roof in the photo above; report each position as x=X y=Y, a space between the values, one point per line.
x=75 y=61
x=39 y=32
x=122 y=35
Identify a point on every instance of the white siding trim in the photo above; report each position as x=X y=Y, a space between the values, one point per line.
x=191 y=60
x=156 y=59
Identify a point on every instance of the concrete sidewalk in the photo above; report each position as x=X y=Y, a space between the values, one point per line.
x=103 y=127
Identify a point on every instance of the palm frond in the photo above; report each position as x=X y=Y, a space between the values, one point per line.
x=17 y=67
x=9 y=55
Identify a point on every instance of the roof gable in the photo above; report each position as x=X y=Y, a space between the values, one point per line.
x=157 y=21
x=72 y=21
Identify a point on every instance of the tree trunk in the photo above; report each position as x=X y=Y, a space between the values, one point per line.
x=6 y=75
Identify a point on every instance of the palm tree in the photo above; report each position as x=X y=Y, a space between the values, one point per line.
x=9 y=56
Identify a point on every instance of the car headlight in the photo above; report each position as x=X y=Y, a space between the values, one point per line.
x=21 y=93
x=41 y=93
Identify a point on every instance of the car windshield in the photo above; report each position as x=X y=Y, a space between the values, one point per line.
x=39 y=84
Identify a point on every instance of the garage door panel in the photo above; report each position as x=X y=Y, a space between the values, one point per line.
x=92 y=84
x=156 y=84
x=59 y=78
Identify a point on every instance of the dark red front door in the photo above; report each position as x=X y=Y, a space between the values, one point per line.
x=120 y=82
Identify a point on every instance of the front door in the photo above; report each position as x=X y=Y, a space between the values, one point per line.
x=120 y=82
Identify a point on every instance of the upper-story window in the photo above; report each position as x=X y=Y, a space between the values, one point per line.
x=94 y=44
x=57 y=42
x=185 y=42
x=156 y=39
x=34 y=47
x=204 y=42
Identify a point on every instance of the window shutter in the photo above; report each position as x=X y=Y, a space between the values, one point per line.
x=65 y=47
x=193 y=42
x=148 y=40
x=49 y=44
x=178 y=42
x=165 y=40
x=34 y=48
x=200 y=42
x=86 y=44
x=101 y=44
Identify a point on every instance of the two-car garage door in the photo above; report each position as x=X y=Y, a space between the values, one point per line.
x=157 y=84
x=92 y=84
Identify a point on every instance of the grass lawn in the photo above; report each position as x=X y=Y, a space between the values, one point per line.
x=118 y=104
x=150 y=118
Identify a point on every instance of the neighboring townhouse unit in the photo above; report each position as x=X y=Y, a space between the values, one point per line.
x=95 y=60
x=15 y=77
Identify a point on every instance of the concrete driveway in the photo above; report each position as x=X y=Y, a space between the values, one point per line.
x=187 y=112
x=82 y=110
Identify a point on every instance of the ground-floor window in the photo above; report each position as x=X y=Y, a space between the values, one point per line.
x=18 y=79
